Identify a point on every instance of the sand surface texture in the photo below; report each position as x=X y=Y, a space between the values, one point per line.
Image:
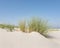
x=25 y=40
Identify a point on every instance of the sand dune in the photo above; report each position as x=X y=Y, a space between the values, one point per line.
x=25 y=40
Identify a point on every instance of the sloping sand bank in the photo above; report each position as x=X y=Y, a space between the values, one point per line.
x=25 y=40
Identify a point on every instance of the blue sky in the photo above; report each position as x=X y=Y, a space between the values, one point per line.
x=13 y=11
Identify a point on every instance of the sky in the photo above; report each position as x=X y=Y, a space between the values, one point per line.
x=13 y=11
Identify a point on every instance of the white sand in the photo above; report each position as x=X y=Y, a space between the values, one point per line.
x=25 y=40
x=3 y=30
x=54 y=34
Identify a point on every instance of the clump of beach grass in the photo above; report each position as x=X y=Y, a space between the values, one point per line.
x=22 y=25
x=38 y=25
x=34 y=24
x=7 y=26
